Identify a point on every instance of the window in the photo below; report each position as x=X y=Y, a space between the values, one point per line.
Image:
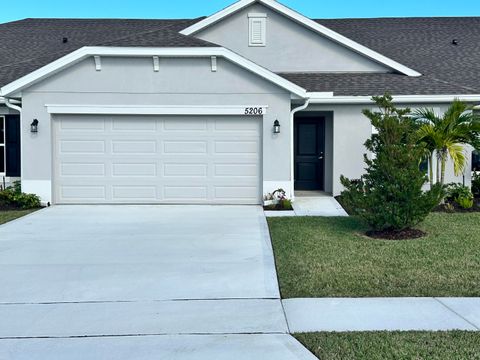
x=257 y=29
x=476 y=161
x=2 y=145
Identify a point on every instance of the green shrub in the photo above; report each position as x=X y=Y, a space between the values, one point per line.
x=465 y=202
x=476 y=184
x=457 y=190
x=390 y=195
x=13 y=197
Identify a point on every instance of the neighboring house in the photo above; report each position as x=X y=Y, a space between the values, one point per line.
x=184 y=111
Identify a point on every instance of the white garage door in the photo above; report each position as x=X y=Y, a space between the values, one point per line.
x=167 y=159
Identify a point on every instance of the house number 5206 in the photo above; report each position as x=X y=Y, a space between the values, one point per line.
x=253 y=111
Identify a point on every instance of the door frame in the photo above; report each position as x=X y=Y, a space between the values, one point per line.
x=312 y=117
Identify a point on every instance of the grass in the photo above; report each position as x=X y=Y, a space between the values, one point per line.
x=330 y=257
x=6 y=216
x=454 y=345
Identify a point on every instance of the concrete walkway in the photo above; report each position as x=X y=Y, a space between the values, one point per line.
x=318 y=205
x=143 y=283
x=378 y=314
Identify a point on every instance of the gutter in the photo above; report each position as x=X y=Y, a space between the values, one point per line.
x=10 y=103
x=292 y=145
x=399 y=99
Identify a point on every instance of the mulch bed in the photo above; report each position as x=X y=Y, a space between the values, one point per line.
x=453 y=207
x=407 y=234
x=277 y=208
x=4 y=207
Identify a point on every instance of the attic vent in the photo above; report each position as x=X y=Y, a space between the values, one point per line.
x=257 y=29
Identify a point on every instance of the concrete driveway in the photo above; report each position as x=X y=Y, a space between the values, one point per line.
x=142 y=282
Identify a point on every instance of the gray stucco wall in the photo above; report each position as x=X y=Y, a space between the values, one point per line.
x=290 y=46
x=132 y=81
x=350 y=131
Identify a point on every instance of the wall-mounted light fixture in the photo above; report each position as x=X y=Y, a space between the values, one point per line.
x=34 y=126
x=276 y=127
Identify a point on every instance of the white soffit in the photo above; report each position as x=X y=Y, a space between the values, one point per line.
x=312 y=25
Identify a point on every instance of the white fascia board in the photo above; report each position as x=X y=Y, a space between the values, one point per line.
x=218 y=16
x=152 y=109
x=399 y=99
x=312 y=25
x=87 y=51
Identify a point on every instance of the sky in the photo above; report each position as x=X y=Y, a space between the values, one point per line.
x=15 y=10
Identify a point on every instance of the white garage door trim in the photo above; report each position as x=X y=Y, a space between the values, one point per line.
x=165 y=172
x=249 y=110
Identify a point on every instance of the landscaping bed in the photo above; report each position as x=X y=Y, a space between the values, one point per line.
x=332 y=257
x=453 y=345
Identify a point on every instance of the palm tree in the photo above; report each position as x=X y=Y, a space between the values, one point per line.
x=447 y=135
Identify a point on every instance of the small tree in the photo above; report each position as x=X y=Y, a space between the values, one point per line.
x=447 y=135
x=389 y=197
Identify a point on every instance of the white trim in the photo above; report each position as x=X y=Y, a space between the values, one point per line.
x=87 y=51
x=257 y=15
x=399 y=99
x=152 y=110
x=312 y=25
x=292 y=145
x=156 y=64
x=260 y=21
x=214 y=64
x=4 y=145
x=98 y=63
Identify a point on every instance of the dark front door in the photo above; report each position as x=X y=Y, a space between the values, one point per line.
x=309 y=153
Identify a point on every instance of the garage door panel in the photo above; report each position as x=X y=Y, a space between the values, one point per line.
x=185 y=124
x=82 y=169
x=185 y=170
x=185 y=193
x=83 y=124
x=185 y=147
x=134 y=192
x=242 y=170
x=82 y=147
x=248 y=124
x=135 y=125
x=83 y=192
x=134 y=147
x=157 y=160
x=134 y=169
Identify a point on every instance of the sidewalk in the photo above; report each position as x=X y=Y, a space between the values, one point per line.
x=382 y=314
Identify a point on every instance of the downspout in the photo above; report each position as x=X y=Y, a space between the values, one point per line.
x=12 y=106
x=292 y=145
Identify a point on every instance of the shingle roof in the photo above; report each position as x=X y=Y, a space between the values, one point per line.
x=29 y=44
x=424 y=44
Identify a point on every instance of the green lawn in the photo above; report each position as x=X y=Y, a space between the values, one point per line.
x=6 y=216
x=454 y=345
x=330 y=257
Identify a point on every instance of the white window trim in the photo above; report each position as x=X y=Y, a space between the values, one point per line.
x=252 y=18
x=4 y=172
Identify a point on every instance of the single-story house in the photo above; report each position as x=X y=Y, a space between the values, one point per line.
x=217 y=110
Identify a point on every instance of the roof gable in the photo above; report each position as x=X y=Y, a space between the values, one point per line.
x=64 y=62
x=308 y=23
